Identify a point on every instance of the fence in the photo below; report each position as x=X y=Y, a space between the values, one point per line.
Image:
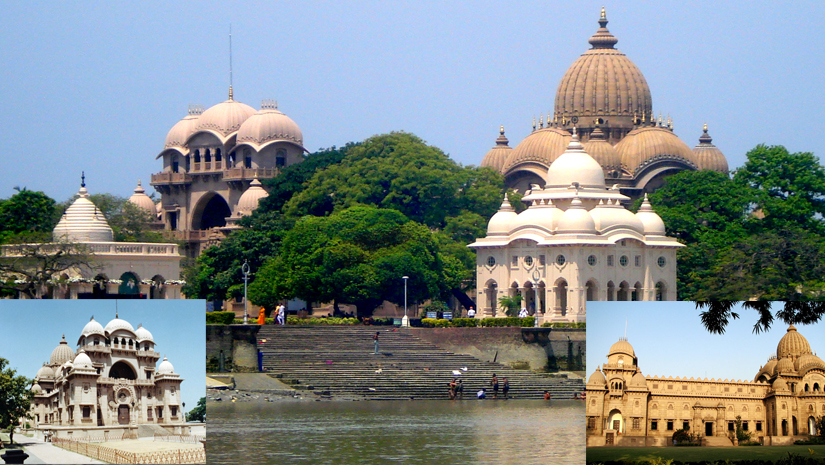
x=107 y=454
x=189 y=439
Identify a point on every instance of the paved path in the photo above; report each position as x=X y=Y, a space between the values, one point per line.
x=43 y=452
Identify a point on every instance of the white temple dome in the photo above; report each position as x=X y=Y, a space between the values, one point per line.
x=224 y=118
x=501 y=223
x=269 y=125
x=597 y=379
x=543 y=214
x=181 y=131
x=44 y=372
x=82 y=360
x=576 y=219
x=62 y=353
x=116 y=324
x=575 y=166
x=143 y=334
x=36 y=388
x=653 y=224
x=165 y=367
x=250 y=198
x=93 y=327
x=612 y=215
x=140 y=199
x=83 y=222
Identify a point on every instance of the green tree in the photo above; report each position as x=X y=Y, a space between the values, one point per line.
x=716 y=314
x=26 y=212
x=15 y=397
x=198 y=413
x=28 y=268
x=511 y=304
x=356 y=256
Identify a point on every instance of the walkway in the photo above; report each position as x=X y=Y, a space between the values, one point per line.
x=43 y=452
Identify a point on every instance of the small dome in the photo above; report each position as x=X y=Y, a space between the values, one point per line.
x=612 y=215
x=638 y=380
x=44 y=372
x=601 y=151
x=143 y=334
x=82 y=360
x=542 y=214
x=497 y=155
x=622 y=347
x=807 y=360
x=83 y=222
x=62 y=353
x=575 y=165
x=182 y=130
x=653 y=224
x=501 y=222
x=785 y=365
x=541 y=147
x=250 y=198
x=225 y=117
x=576 y=220
x=597 y=379
x=92 y=327
x=165 y=367
x=140 y=199
x=116 y=324
x=779 y=385
x=707 y=156
x=269 y=125
x=770 y=367
x=36 y=388
x=792 y=344
x=646 y=145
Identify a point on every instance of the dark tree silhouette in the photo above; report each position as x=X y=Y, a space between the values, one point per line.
x=717 y=314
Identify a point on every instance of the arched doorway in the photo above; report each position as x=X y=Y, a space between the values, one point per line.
x=611 y=291
x=623 y=291
x=812 y=426
x=99 y=287
x=795 y=427
x=542 y=290
x=561 y=297
x=211 y=212
x=636 y=294
x=661 y=291
x=130 y=284
x=492 y=296
x=122 y=370
x=784 y=427
x=592 y=290
x=615 y=421
x=157 y=291
x=529 y=298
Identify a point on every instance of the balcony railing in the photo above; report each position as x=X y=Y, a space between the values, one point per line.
x=243 y=174
x=171 y=178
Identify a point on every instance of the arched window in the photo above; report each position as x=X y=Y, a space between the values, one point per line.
x=624 y=288
x=197 y=156
x=592 y=291
x=561 y=297
x=207 y=156
x=611 y=291
x=217 y=154
x=280 y=158
x=661 y=291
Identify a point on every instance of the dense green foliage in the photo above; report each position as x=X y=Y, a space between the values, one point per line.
x=220 y=318
x=758 y=234
x=527 y=322
x=27 y=215
x=15 y=397
x=198 y=413
x=129 y=222
x=716 y=314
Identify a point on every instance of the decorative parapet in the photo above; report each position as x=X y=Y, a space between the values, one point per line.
x=170 y=178
x=248 y=174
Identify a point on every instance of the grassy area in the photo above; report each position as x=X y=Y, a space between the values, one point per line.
x=697 y=454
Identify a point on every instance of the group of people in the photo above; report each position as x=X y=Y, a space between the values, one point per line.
x=279 y=315
x=456 y=389
x=495 y=384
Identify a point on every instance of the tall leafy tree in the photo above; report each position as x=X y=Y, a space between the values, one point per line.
x=716 y=315
x=26 y=212
x=15 y=397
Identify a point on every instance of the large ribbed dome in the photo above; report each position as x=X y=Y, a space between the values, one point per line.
x=225 y=117
x=604 y=153
x=542 y=147
x=792 y=345
x=140 y=199
x=497 y=155
x=648 y=144
x=707 y=156
x=83 y=222
x=269 y=125
x=180 y=132
x=250 y=198
x=621 y=347
x=603 y=82
x=62 y=353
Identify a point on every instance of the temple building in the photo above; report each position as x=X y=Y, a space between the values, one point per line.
x=108 y=386
x=211 y=158
x=606 y=97
x=122 y=270
x=574 y=243
x=780 y=405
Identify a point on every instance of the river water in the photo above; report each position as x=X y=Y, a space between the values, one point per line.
x=405 y=432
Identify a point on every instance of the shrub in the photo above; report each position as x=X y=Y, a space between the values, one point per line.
x=681 y=435
x=581 y=325
x=220 y=318
x=465 y=322
x=509 y=321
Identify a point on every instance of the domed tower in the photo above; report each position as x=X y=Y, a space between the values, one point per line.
x=708 y=157
x=603 y=87
x=83 y=221
x=497 y=155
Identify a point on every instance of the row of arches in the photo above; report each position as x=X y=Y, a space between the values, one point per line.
x=535 y=294
x=212 y=159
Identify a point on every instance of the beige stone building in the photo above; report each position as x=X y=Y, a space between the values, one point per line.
x=605 y=96
x=779 y=406
x=574 y=243
x=211 y=158
x=109 y=386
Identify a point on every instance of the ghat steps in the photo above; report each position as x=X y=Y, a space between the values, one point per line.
x=339 y=361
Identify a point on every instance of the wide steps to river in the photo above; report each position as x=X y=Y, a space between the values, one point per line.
x=339 y=361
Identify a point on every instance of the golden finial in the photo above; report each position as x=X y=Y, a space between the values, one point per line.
x=644 y=115
x=501 y=129
x=660 y=119
x=534 y=123
x=604 y=15
x=230 y=92
x=541 y=121
x=705 y=127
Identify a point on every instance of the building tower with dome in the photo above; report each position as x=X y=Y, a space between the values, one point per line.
x=108 y=386
x=780 y=405
x=212 y=158
x=574 y=243
x=606 y=97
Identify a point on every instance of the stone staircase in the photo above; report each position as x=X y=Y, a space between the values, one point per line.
x=716 y=441
x=338 y=361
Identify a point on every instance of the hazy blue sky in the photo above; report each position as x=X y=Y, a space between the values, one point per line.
x=31 y=329
x=669 y=340
x=96 y=86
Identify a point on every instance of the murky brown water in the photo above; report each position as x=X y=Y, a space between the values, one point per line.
x=419 y=432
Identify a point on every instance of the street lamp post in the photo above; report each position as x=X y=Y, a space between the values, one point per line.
x=405 y=323
x=245 y=271
x=536 y=306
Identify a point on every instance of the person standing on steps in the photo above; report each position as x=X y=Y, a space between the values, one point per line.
x=471 y=313
x=505 y=387
x=375 y=340
x=546 y=395
x=494 y=383
x=282 y=315
x=460 y=389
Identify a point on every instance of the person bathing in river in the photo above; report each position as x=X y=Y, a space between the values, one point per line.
x=505 y=386
x=494 y=384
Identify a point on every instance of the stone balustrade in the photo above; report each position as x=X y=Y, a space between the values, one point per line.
x=168 y=177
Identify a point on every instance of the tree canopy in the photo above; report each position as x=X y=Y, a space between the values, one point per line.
x=198 y=413
x=358 y=256
x=15 y=397
x=716 y=315
x=27 y=213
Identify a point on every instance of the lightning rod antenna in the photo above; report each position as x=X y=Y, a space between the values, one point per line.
x=230 y=62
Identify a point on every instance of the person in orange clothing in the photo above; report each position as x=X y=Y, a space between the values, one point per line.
x=262 y=316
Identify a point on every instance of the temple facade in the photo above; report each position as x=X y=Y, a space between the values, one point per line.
x=780 y=405
x=107 y=387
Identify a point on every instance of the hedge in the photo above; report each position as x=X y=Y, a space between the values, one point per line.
x=220 y=318
x=526 y=322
